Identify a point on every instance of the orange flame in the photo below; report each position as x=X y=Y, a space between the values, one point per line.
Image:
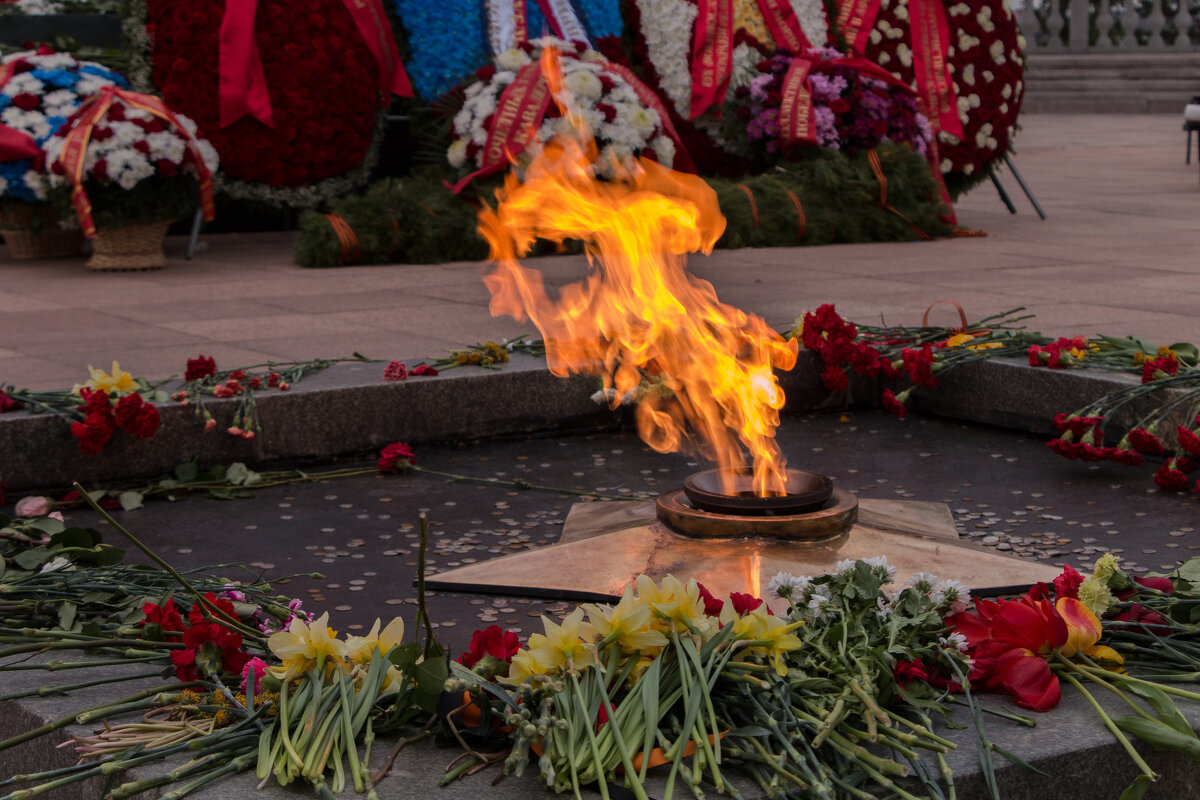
x=637 y=312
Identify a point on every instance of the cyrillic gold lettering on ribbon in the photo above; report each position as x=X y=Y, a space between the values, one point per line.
x=712 y=55
x=242 y=84
x=76 y=141
x=519 y=112
x=855 y=20
x=797 y=123
x=784 y=26
x=931 y=42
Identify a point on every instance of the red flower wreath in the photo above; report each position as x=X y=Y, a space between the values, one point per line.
x=324 y=118
x=990 y=120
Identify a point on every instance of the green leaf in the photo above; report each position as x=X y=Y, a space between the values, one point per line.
x=237 y=473
x=91 y=629
x=66 y=615
x=406 y=656
x=75 y=537
x=187 y=471
x=1186 y=352
x=1137 y=789
x=46 y=525
x=220 y=494
x=31 y=559
x=430 y=676
x=1189 y=570
x=3 y=566
x=1160 y=736
x=1163 y=706
x=130 y=500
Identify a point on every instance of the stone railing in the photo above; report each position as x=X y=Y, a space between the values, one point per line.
x=1123 y=26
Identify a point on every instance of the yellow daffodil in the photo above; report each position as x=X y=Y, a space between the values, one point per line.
x=524 y=666
x=360 y=649
x=567 y=645
x=679 y=603
x=303 y=646
x=118 y=383
x=627 y=625
x=772 y=635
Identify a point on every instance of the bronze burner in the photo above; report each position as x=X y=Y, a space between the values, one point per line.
x=812 y=510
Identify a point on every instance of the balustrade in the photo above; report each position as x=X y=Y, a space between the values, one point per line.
x=1115 y=26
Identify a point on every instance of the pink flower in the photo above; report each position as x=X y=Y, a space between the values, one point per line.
x=33 y=507
x=256 y=667
x=423 y=369
x=396 y=457
x=395 y=371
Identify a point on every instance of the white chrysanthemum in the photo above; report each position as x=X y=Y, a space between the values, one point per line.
x=667 y=27
x=812 y=18
x=664 y=149
x=904 y=53
x=902 y=12
x=843 y=566
x=512 y=59
x=883 y=607
x=954 y=593
x=584 y=84
x=34 y=183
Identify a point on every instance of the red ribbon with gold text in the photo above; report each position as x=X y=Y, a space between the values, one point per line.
x=243 y=85
x=784 y=26
x=652 y=101
x=712 y=54
x=931 y=43
x=519 y=112
x=797 y=122
x=75 y=144
x=14 y=144
x=855 y=20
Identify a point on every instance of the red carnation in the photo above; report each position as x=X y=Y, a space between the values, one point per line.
x=919 y=365
x=196 y=615
x=166 y=617
x=7 y=403
x=1171 y=479
x=209 y=648
x=907 y=671
x=423 y=369
x=835 y=378
x=1161 y=367
x=200 y=367
x=396 y=457
x=1130 y=458
x=491 y=642
x=1067 y=584
x=1065 y=448
x=27 y=102
x=1145 y=441
x=486 y=72
x=895 y=404
x=1189 y=441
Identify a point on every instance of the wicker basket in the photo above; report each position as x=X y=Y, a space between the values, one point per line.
x=136 y=246
x=47 y=241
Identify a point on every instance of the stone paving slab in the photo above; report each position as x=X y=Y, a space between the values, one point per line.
x=1117 y=255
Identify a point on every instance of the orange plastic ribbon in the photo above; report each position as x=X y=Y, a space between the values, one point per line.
x=14 y=144
x=519 y=111
x=75 y=144
x=347 y=238
x=242 y=85
x=877 y=168
x=753 y=202
x=712 y=54
x=803 y=229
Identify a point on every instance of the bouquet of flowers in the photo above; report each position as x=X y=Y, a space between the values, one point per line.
x=140 y=165
x=853 y=111
x=986 y=63
x=622 y=124
x=39 y=90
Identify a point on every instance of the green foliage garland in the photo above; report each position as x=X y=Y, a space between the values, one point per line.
x=416 y=220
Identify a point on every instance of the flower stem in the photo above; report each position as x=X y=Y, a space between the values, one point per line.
x=1116 y=732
